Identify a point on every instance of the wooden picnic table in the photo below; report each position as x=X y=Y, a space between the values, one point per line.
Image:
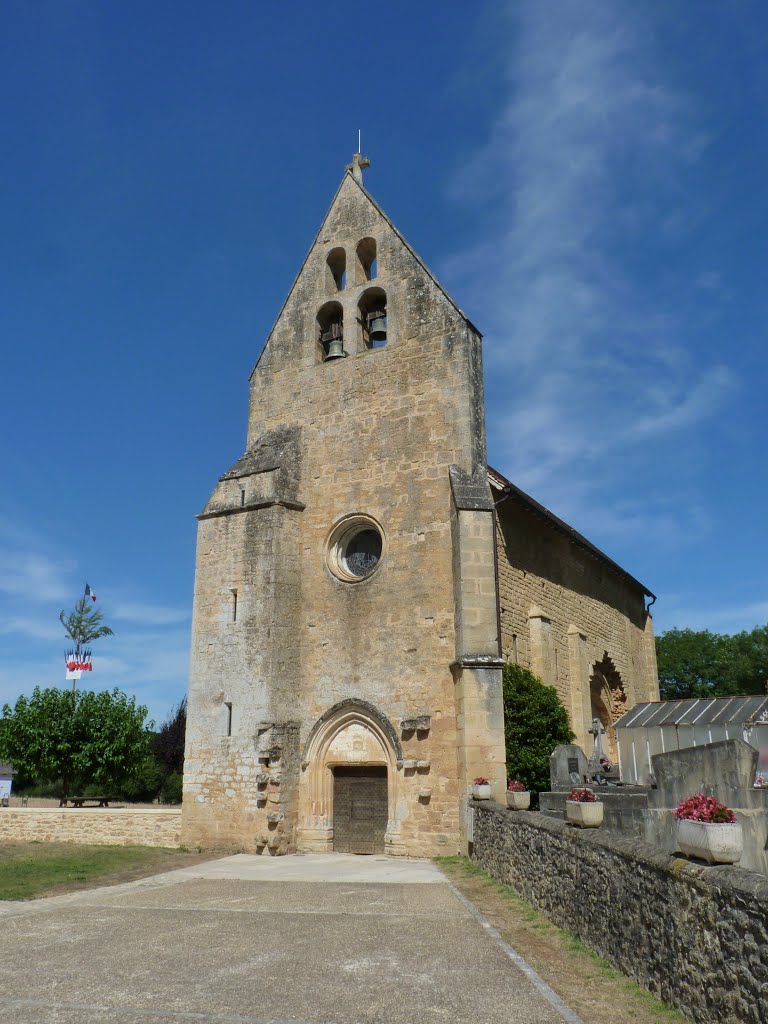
x=81 y=801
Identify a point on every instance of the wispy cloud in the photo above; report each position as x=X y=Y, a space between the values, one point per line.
x=584 y=166
x=33 y=576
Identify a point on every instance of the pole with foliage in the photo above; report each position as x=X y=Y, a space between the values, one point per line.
x=83 y=625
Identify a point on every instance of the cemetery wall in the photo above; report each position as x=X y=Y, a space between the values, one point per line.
x=695 y=936
x=101 y=826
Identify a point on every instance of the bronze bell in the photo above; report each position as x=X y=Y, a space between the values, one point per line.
x=335 y=349
x=377 y=328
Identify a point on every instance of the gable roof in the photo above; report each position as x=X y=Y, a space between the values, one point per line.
x=348 y=175
x=511 y=491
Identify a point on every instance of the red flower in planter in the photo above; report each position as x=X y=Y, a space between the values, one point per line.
x=513 y=786
x=704 y=808
x=582 y=796
x=480 y=781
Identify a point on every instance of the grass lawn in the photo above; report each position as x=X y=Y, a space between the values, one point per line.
x=28 y=870
x=594 y=989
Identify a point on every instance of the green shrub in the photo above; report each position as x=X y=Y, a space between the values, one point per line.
x=171 y=789
x=535 y=722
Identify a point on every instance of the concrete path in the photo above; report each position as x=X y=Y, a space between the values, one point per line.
x=330 y=939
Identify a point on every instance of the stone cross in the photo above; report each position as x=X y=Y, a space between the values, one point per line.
x=597 y=731
x=358 y=165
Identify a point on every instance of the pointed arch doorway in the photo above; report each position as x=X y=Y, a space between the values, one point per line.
x=350 y=783
x=609 y=701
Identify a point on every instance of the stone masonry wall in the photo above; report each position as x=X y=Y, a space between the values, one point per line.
x=696 y=937
x=99 y=826
x=562 y=610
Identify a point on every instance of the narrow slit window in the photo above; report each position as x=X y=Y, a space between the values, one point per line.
x=234 y=606
x=514 y=648
x=242 y=496
x=228 y=718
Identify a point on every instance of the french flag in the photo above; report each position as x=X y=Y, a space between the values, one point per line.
x=89 y=592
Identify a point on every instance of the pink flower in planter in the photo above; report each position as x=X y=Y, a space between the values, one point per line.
x=513 y=786
x=582 y=796
x=704 y=808
x=480 y=781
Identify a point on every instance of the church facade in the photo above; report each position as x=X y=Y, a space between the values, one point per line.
x=362 y=576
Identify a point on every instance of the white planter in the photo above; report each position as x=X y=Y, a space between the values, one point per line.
x=716 y=842
x=585 y=815
x=482 y=792
x=520 y=801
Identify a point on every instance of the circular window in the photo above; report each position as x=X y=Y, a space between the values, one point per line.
x=355 y=549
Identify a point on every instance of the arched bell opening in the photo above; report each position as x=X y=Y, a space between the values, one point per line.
x=366 y=260
x=330 y=321
x=609 y=701
x=373 y=317
x=336 y=262
x=350 y=785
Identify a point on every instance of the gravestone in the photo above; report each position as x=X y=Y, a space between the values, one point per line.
x=568 y=767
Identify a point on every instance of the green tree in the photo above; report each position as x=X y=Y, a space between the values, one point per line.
x=84 y=624
x=168 y=743
x=535 y=722
x=747 y=662
x=83 y=739
x=690 y=663
x=703 y=664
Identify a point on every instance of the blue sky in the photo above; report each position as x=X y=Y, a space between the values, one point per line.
x=586 y=179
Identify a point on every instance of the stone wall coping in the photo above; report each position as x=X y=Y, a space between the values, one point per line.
x=724 y=877
x=83 y=811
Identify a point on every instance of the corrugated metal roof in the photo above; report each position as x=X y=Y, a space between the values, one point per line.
x=696 y=711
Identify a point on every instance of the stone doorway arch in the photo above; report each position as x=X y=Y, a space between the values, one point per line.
x=609 y=701
x=351 y=734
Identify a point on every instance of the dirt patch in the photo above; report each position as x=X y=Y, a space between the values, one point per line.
x=597 y=992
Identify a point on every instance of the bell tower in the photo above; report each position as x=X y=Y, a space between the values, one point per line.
x=345 y=676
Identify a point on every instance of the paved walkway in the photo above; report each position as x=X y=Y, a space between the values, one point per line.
x=317 y=939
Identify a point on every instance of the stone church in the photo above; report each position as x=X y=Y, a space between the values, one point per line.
x=362 y=576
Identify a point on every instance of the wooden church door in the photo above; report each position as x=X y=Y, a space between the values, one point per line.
x=359 y=808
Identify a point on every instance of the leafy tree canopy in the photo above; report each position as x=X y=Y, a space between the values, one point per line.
x=83 y=738
x=704 y=664
x=535 y=722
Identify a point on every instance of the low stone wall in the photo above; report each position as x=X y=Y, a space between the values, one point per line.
x=695 y=936
x=102 y=826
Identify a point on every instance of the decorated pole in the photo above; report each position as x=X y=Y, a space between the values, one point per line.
x=83 y=625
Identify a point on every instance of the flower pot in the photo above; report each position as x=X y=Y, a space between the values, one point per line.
x=482 y=792
x=586 y=815
x=714 y=842
x=518 y=801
